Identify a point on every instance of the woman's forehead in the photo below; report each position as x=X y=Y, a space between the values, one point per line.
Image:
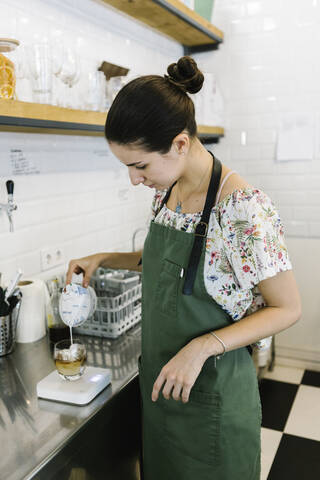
x=129 y=154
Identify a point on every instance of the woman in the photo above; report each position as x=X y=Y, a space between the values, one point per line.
x=216 y=279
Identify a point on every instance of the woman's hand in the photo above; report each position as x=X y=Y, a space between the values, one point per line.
x=181 y=372
x=85 y=265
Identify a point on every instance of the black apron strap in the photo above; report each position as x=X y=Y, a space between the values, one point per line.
x=164 y=200
x=202 y=228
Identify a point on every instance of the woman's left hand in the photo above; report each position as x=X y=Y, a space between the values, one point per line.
x=180 y=373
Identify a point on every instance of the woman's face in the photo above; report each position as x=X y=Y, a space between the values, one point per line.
x=152 y=169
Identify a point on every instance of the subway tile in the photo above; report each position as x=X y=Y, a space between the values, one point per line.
x=245 y=153
x=245 y=26
x=296 y=228
x=245 y=89
x=267 y=152
x=284 y=182
x=234 y=137
x=261 y=72
x=313 y=182
x=286 y=213
x=314 y=228
x=295 y=198
x=291 y=168
x=29 y=263
x=269 y=24
x=85 y=245
x=260 y=168
x=312 y=198
x=307 y=213
x=242 y=121
x=261 y=136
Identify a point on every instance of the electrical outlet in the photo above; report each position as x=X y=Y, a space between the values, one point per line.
x=51 y=257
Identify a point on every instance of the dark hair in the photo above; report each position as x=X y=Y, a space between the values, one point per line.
x=150 y=111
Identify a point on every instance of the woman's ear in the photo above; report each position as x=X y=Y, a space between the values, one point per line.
x=181 y=143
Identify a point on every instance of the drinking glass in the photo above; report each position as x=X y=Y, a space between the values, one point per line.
x=114 y=86
x=40 y=64
x=96 y=97
x=24 y=91
x=70 y=358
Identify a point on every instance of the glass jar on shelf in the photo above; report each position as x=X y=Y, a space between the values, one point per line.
x=7 y=70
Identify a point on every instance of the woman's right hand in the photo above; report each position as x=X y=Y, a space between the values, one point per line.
x=85 y=265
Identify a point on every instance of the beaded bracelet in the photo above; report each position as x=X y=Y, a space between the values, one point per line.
x=222 y=343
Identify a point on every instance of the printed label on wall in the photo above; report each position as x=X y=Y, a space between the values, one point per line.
x=21 y=165
x=25 y=154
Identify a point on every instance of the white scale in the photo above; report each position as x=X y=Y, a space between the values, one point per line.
x=78 y=392
x=75 y=305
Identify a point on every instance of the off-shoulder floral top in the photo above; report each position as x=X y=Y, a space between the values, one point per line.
x=245 y=244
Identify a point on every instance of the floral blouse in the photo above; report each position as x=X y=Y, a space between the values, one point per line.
x=245 y=244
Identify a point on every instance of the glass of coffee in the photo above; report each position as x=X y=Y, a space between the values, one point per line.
x=70 y=358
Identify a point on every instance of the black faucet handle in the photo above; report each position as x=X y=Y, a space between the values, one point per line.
x=10 y=186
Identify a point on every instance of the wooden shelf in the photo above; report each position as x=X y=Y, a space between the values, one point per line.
x=174 y=19
x=37 y=118
x=209 y=134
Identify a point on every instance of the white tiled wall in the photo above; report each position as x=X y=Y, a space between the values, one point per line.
x=81 y=211
x=267 y=66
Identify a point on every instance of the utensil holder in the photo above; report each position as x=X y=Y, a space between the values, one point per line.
x=8 y=328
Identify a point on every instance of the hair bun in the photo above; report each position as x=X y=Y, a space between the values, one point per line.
x=186 y=75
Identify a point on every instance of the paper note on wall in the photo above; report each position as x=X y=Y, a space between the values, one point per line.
x=21 y=164
x=295 y=137
x=36 y=154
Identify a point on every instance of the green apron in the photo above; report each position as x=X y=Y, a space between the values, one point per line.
x=216 y=434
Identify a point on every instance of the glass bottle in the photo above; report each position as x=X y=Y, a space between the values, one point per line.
x=57 y=330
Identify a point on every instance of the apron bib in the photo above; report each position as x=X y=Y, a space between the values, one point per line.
x=216 y=434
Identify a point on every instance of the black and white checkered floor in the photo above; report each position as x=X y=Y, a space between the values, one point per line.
x=290 y=434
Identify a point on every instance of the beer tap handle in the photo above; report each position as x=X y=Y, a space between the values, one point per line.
x=10 y=206
x=10 y=186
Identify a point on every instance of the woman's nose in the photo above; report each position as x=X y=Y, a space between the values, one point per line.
x=135 y=177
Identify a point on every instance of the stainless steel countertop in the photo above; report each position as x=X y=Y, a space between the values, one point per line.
x=33 y=430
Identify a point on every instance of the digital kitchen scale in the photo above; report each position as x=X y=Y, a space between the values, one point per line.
x=78 y=392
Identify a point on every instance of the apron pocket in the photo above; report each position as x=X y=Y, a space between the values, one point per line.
x=194 y=427
x=167 y=288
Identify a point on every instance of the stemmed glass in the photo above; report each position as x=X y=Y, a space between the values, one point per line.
x=57 y=62
x=69 y=75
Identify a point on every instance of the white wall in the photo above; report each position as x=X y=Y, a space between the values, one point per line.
x=80 y=211
x=267 y=67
